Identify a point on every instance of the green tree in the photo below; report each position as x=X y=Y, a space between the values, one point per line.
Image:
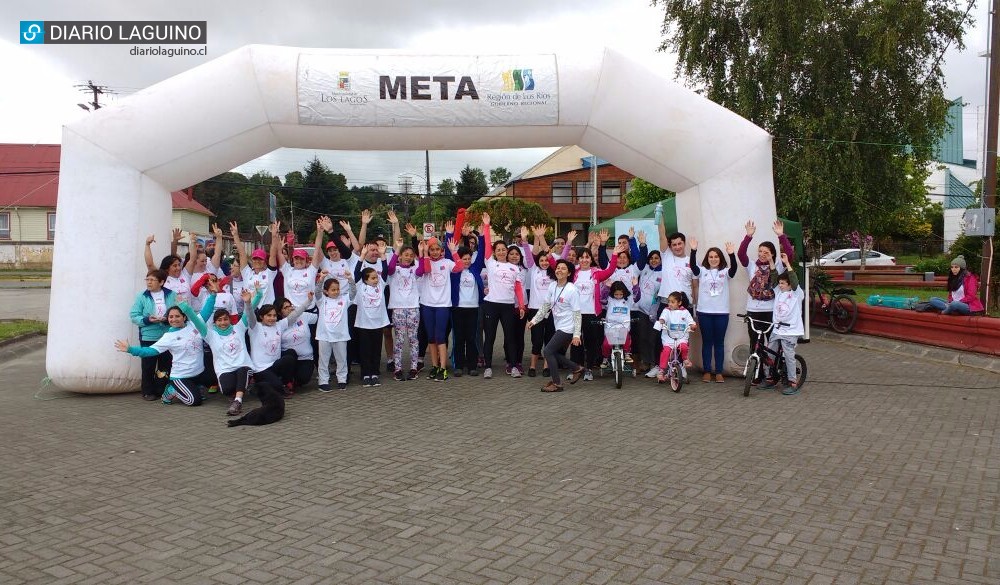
x=499 y=176
x=471 y=185
x=842 y=86
x=508 y=214
x=323 y=192
x=643 y=193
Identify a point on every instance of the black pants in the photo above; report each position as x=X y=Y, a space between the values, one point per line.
x=465 y=321
x=276 y=373
x=645 y=340
x=151 y=385
x=501 y=314
x=541 y=333
x=554 y=354
x=353 y=355
x=589 y=353
x=766 y=317
x=232 y=382
x=300 y=372
x=519 y=325
x=370 y=350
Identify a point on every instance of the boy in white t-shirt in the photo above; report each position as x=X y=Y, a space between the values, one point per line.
x=788 y=327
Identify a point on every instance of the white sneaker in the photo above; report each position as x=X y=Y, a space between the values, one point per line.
x=515 y=372
x=487 y=373
x=588 y=376
x=653 y=372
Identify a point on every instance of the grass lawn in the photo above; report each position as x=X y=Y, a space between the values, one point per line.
x=863 y=292
x=9 y=329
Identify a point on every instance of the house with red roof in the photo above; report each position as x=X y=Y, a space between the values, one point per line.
x=29 y=186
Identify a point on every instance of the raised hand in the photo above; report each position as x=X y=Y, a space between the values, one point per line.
x=366 y=217
x=411 y=229
x=275 y=228
x=524 y=232
x=604 y=235
x=693 y=243
x=486 y=218
x=246 y=296
x=642 y=238
x=150 y=239
x=449 y=226
x=570 y=237
x=213 y=286
x=730 y=248
x=218 y=233
x=381 y=247
x=539 y=231
x=784 y=260
x=325 y=223
x=750 y=227
x=422 y=248
x=453 y=247
x=234 y=230
x=631 y=232
x=399 y=242
x=344 y=224
x=392 y=217
x=177 y=234
x=466 y=228
x=779 y=227
x=345 y=240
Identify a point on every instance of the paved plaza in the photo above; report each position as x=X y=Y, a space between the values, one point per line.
x=884 y=470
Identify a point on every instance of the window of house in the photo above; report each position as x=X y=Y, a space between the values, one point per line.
x=562 y=192
x=584 y=191
x=580 y=228
x=51 y=233
x=611 y=192
x=628 y=186
x=5 y=225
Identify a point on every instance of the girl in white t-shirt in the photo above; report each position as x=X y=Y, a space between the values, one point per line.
x=435 y=273
x=676 y=325
x=269 y=364
x=371 y=320
x=404 y=302
x=332 y=330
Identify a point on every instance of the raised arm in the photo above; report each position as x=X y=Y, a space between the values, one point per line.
x=276 y=252
x=192 y=252
x=394 y=222
x=241 y=252
x=783 y=242
x=195 y=318
x=317 y=257
x=366 y=217
x=174 y=240
x=526 y=253
x=733 y=267
x=487 y=237
x=297 y=312
x=751 y=228
x=148 y=253
x=693 y=243
x=642 y=251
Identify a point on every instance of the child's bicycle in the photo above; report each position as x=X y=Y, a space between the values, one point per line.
x=616 y=333
x=774 y=359
x=675 y=373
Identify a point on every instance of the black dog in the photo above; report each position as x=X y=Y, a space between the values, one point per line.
x=272 y=407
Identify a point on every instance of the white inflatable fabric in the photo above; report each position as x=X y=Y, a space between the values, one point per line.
x=120 y=164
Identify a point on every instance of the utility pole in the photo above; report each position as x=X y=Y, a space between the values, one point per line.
x=96 y=90
x=427 y=177
x=593 y=181
x=990 y=182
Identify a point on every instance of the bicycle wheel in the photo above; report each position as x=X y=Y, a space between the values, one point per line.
x=751 y=372
x=800 y=370
x=619 y=367
x=676 y=381
x=843 y=313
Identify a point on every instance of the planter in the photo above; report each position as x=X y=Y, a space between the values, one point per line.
x=975 y=334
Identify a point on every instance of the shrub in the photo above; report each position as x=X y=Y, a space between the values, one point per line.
x=938 y=265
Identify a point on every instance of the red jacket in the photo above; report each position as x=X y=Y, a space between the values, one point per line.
x=971 y=289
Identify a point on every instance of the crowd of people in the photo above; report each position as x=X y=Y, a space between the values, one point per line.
x=435 y=305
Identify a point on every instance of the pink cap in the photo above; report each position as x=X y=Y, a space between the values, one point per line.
x=300 y=254
x=259 y=253
x=331 y=245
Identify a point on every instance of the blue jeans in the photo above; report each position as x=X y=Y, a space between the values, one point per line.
x=946 y=308
x=713 y=340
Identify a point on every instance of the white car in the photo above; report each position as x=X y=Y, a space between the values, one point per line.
x=852 y=257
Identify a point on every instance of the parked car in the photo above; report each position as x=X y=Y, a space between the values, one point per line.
x=852 y=257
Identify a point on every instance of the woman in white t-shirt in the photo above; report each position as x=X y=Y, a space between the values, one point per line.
x=540 y=279
x=503 y=302
x=434 y=271
x=259 y=270
x=563 y=300
x=178 y=274
x=714 y=276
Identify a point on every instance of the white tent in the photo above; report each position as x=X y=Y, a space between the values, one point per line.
x=120 y=164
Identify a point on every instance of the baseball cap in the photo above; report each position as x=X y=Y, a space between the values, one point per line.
x=300 y=254
x=259 y=253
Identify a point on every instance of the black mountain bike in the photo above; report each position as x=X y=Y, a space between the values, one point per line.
x=761 y=352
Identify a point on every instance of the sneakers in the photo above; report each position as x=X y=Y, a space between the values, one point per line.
x=480 y=362
x=441 y=375
x=719 y=378
x=235 y=407
x=390 y=366
x=420 y=365
x=791 y=390
x=412 y=375
x=606 y=364
x=545 y=372
x=768 y=384
x=366 y=382
x=532 y=372
x=653 y=372
x=341 y=385
x=515 y=372
x=432 y=373
x=507 y=369
x=706 y=377
x=168 y=394
x=473 y=372
x=487 y=373
x=457 y=373
x=588 y=376
x=150 y=397
x=375 y=381
x=213 y=389
x=324 y=387
x=398 y=376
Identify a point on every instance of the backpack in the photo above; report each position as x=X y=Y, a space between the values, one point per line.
x=760 y=289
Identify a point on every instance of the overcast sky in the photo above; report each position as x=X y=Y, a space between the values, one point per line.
x=39 y=94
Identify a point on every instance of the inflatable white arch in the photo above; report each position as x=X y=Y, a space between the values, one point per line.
x=120 y=164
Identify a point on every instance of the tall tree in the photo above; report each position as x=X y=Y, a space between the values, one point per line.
x=508 y=214
x=471 y=185
x=499 y=176
x=643 y=193
x=843 y=87
x=322 y=192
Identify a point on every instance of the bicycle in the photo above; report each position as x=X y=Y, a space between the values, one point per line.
x=615 y=333
x=841 y=310
x=675 y=372
x=777 y=357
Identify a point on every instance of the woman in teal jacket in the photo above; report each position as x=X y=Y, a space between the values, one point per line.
x=149 y=313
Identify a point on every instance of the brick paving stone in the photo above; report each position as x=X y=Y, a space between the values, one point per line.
x=885 y=469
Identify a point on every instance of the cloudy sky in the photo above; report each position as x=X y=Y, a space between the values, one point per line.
x=39 y=94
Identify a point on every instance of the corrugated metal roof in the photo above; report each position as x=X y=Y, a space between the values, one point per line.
x=29 y=177
x=957 y=195
x=948 y=148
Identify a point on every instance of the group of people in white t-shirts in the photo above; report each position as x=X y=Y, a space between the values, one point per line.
x=443 y=301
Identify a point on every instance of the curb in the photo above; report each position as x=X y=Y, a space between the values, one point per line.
x=930 y=352
x=15 y=347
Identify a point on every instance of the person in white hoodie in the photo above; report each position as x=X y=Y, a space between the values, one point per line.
x=788 y=327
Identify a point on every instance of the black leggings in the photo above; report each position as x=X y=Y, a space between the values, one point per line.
x=465 y=320
x=498 y=314
x=277 y=371
x=519 y=325
x=541 y=333
x=151 y=385
x=370 y=350
x=554 y=353
x=589 y=354
x=767 y=317
x=300 y=372
x=235 y=381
